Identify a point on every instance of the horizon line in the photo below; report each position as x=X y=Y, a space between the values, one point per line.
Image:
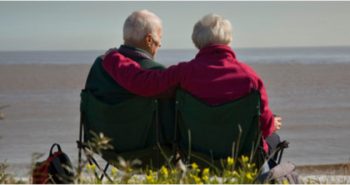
x=258 y=47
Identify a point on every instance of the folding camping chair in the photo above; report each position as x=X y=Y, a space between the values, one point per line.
x=132 y=125
x=206 y=133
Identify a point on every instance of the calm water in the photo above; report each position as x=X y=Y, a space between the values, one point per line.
x=311 y=55
x=309 y=106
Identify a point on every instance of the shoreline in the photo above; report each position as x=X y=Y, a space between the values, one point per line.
x=325 y=169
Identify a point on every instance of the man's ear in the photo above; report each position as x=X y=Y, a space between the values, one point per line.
x=149 y=39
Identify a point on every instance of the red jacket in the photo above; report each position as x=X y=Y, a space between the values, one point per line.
x=214 y=76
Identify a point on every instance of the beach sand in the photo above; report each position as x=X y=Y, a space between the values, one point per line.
x=36 y=77
x=314 y=101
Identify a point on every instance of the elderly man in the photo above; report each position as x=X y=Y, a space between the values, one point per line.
x=142 y=33
x=214 y=75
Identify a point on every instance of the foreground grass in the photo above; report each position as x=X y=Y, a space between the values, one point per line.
x=191 y=174
x=238 y=170
x=165 y=175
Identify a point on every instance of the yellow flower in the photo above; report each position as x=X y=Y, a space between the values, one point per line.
x=194 y=166
x=285 y=181
x=245 y=159
x=150 y=179
x=205 y=178
x=197 y=180
x=250 y=166
x=164 y=171
x=114 y=171
x=205 y=175
x=235 y=174
x=206 y=171
x=249 y=176
x=230 y=161
x=91 y=167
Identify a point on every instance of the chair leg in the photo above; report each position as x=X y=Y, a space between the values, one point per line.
x=79 y=164
x=92 y=160
x=282 y=145
x=88 y=156
x=280 y=156
x=79 y=143
x=104 y=171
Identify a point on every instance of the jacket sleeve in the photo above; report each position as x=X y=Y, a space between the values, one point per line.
x=132 y=77
x=267 y=121
x=266 y=116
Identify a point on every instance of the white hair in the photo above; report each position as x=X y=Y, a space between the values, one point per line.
x=139 y=24
x=212 y=29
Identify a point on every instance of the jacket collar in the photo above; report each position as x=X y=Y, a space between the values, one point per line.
x=213 y=49
x=134 y=53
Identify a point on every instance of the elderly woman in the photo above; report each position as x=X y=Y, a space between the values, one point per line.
x=214 y=75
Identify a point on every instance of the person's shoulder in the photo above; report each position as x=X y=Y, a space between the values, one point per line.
x=97 y=62
x=245 y=65
x=98 y=59
x=252 y=74
x=151 y=64
x=247 y=68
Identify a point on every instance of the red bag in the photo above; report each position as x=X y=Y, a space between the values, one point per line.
x=56 y=169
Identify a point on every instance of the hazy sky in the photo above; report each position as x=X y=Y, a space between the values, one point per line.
x=98 y=25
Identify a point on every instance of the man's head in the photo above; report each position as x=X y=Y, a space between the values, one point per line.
x=143 y=29
x=212 y=29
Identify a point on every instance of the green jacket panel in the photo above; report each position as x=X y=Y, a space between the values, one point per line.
x=105 y=89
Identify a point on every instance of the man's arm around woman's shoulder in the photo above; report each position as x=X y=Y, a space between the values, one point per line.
x=131 y=76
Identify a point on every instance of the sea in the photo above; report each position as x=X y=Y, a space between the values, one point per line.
x=308 y=86
x=303 y=55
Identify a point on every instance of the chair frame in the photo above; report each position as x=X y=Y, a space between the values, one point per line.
x=186 y=157
x=177 y=152
x=88 y=153
x=83 y=148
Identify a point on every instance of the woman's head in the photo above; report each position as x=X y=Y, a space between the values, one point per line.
x=212 y=29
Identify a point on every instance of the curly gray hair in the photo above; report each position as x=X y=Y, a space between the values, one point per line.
x=212 y=29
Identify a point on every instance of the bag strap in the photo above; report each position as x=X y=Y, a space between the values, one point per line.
x=58 y=148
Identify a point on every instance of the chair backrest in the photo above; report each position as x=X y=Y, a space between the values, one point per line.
x=213 y=130
x=130 y=124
